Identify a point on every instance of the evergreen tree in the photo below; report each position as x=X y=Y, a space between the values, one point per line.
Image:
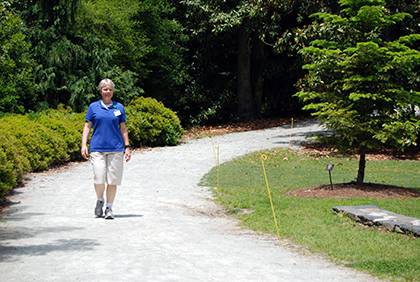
x=362 y=79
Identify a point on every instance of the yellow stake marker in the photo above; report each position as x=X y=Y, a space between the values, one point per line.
x=292 y=122
x=264 y=158
x=218 y=165
x=217 y=160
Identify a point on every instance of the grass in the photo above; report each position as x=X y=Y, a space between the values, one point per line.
x=310 y=221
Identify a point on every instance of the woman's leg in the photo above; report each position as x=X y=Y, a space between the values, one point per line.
x=111 y=191
x=100 y=189
x=99 y=171
x=115 y=163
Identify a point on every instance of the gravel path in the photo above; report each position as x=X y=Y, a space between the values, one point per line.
x=166 y=227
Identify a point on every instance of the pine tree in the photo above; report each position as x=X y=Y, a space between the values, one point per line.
x=362 y=81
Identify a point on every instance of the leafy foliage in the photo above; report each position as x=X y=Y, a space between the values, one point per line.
x=16 y=63
x=35 y=142
x=152 y=124
x=217 y=70
x=359 y=83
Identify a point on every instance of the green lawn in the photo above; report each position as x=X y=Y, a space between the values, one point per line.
x=310 y=221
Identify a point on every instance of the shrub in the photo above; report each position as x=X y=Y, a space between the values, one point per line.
x=44 y=147
x=151 y=123
x=68 y=126
x=7 y=177
x=13 y=162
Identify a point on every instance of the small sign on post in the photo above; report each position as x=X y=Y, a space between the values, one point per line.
x=330 y=167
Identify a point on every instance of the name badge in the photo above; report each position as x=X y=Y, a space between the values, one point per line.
x=117 y=113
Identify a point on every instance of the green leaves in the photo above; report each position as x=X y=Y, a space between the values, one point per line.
x=16 y=63
x=358 y=83
x=152 y=124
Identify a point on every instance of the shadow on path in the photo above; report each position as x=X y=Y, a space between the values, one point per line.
x=17 y=233
x=301 y=134
x=10 y=252
x=127 y=215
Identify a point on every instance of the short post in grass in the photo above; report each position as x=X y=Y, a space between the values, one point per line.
x=329 y=168
x=291 y=127
x=263 y=159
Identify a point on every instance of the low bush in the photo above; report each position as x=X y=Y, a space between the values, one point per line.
x=13 y=163
x=151 y=123
x=36 y=141
x=43 y=145
x=68 y=126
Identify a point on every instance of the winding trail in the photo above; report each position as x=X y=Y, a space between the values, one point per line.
x=166 y=229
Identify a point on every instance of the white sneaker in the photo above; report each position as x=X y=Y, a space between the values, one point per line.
x=109 y=214
x=98 y=209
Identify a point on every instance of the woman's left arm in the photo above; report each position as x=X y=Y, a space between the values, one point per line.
x=124 y=133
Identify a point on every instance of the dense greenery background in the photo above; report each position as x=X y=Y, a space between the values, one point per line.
x=353 y=63
x=207 y=60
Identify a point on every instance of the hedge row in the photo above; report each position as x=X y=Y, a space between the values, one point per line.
x=37 y=141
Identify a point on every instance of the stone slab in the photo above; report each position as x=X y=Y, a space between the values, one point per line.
x=373 y=215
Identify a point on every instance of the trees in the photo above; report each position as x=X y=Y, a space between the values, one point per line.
x=75 y=43
x=211 y=61
x=16 y=63
x=165 y=70
x=54 y=49
x=245 y=52
x=362 y=78
x=241 y=18
x=113 y=48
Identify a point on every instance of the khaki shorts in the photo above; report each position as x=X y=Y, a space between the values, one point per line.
x=107 y=167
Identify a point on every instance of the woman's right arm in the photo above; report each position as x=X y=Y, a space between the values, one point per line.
x=85 y=135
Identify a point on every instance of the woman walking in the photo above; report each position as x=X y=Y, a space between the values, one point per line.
x=109 y=146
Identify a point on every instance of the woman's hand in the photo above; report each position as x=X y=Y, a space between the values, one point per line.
x=127 y=154
x=84 y=152
x=86 y=129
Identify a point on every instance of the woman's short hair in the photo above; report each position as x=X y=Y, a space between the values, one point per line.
x=106 y=82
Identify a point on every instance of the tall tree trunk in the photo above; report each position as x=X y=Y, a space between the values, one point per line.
x=246 y=104
x=258 y=65
x=362 y=165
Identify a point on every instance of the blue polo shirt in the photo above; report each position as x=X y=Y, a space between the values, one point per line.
x=106 y=121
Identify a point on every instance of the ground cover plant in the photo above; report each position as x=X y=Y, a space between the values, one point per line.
x=309 y=221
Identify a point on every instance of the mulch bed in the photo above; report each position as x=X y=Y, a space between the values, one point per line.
x=352 y=190
x=318 y=150
x=214 y=130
